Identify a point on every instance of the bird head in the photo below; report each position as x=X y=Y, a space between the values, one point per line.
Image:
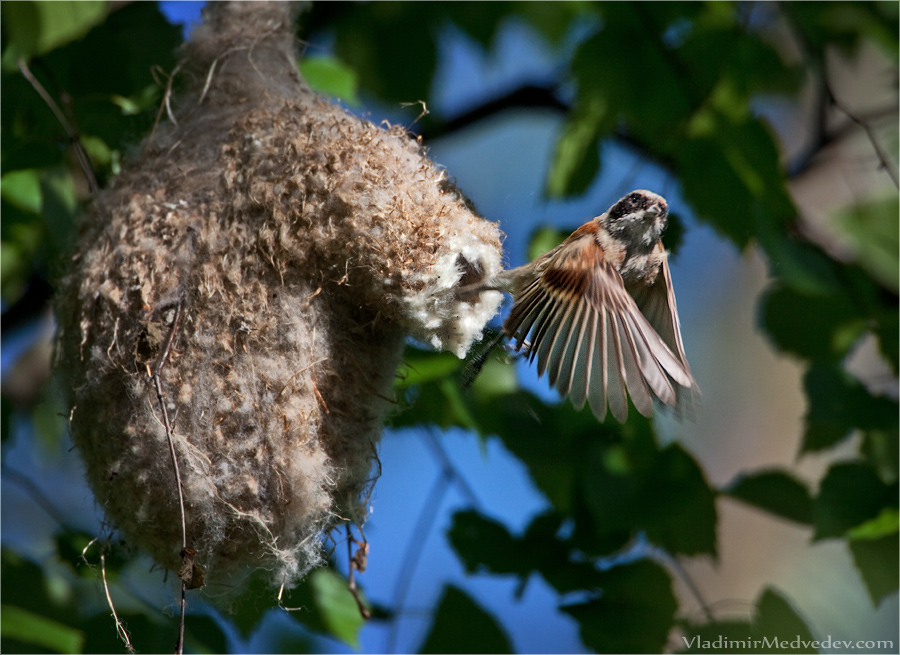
x=638 y=218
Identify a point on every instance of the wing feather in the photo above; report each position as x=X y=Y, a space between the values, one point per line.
x=597 y=341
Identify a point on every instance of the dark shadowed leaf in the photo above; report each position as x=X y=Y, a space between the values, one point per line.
x=850 y=494
x=775 y=616
x=776 y=492
x=462 y=626
x=880 y=450
x=888 y=332
x=814 y=327
x=839 y=404
x=641 y=488
x=256 y=598
x=148 y=633
x=633 y=614
x=774 y=627
x=876 y=560
x=486 y=546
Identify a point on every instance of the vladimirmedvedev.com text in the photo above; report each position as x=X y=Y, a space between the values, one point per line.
x=723 y=643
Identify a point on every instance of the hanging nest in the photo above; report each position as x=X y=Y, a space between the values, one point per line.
x=250 y=282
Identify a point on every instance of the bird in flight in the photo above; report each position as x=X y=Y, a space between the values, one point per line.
x=598 y=312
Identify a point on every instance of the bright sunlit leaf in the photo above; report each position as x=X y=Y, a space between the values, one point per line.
x=331 y=76
x=31 y=628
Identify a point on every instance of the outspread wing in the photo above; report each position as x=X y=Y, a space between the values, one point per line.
x=657 y=303
x=588 y=334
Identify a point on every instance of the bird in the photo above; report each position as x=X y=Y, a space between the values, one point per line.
x=598 y=313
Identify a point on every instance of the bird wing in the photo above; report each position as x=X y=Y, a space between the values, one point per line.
x=657 y=303
x=588 y=333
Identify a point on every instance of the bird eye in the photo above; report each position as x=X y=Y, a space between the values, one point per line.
x=637 y=201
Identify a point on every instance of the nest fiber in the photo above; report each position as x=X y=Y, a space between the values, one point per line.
x=264 y=261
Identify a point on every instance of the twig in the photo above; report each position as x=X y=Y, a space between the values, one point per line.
x=357 y=562
x=879 y=151
x=179 y=644
x=414 y=548
x=35 y=492
x=165 y=104
x=449 y=468
x=71 y=132
x=120 y=628
x=666 y=558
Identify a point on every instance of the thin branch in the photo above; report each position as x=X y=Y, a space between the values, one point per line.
x=179 y=644
x=449 y=468
x=528 y=96
x=427 y=516
x=165 y=104
x=357 y=562
x=35 y=492
x=667 y=559
x=67 y=126
x=879 y=151
x=120 y=628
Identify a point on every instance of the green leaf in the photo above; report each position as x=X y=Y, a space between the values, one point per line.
x=22 y=189
x=60 y=203
x=776 y=617
x=877 y=562
x=323 y=603
x=887 y=330
x=462 y=626
x=497 y=378
x=642 y=488
x=523 y=422
x=813 y=327
x=203 y=634
x=335 y=607
x=776 y=492
x=36 y=28
x=486 y=546
x=31 y=628
x=875 y=233
x=845 y=25
x=576 y=156
x=552 y=20
x=839 y=404
x=634 y=613
x=881 y=450
x=886 y=523
x=422 y=366
x=633 y=90
x=545 y=239
x=850 y=494
x=378 y=40
x=255 y=600
x=330 y=76
x=775 y=627
x=741 y=162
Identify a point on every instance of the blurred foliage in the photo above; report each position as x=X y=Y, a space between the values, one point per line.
x=675 y=81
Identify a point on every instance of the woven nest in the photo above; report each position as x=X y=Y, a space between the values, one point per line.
x=251 y=280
